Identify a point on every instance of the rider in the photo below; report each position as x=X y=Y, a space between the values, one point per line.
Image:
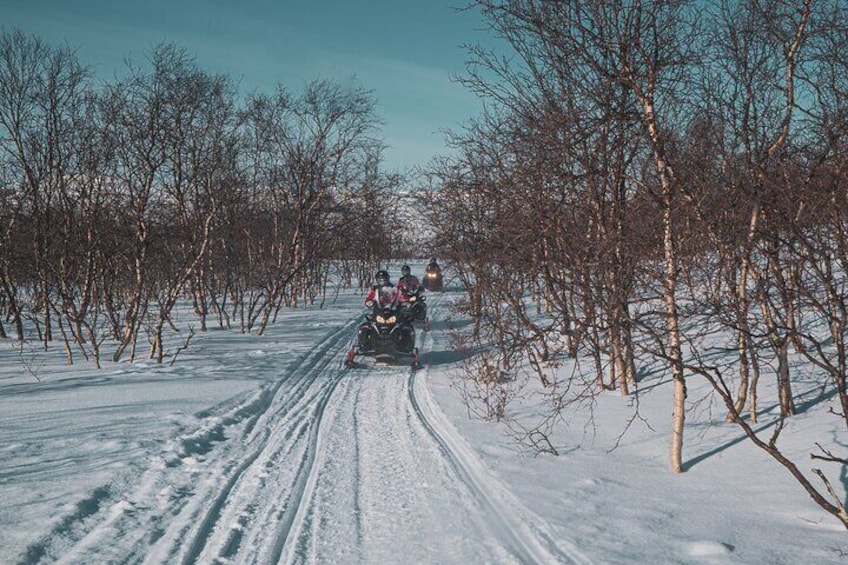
x=407 y=284
x=433 y=266
x=383 y=291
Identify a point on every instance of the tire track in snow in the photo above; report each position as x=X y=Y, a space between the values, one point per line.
x=522 y=531
x=272 y=488
x=528 y=538
x=195 y=485
x=383 y=484
x=309 y=517
x=291 y=424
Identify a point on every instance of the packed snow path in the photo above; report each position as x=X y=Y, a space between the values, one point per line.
x=327 y=465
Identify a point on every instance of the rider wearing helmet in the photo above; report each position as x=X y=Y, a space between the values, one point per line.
x=383 y=287
x=433 y=266
x=408 y=283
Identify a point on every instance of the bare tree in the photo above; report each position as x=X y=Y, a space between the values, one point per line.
x=120 y=204
x=42 y=109
x=199 y=126
x=304 y=151
x=135 y=117
x=610 y=72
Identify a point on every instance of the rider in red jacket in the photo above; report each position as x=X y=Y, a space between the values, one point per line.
x=383 y=292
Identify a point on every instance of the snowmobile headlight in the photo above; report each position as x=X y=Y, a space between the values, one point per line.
x=413 y=298
x=386 y=320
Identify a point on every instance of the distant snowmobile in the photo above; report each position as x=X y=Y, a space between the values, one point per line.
x=433 y=279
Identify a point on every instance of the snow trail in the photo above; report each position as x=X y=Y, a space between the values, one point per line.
x=324 y=464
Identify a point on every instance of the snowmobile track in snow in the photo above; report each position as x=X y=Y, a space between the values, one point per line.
x=201 y=474
x=293 y=414
x=300 y=470
x=528 y=540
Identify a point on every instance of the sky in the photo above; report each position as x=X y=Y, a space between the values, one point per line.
x=405 y=51
x=266 y=449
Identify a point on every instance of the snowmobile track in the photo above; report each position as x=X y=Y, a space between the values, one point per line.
x=528 y=540
x=306 y=470
x=291 y=415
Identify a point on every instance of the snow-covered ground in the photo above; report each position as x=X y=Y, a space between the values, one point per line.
x=266 y=449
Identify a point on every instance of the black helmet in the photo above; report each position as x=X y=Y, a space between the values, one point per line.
x=433 y=260
x=382 y=277
x=405 y=270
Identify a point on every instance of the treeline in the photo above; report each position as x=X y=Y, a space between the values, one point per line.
x=118 y=200
x=648 y=176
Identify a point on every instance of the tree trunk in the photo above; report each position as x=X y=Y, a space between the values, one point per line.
x=787 y=404
x=675 y=355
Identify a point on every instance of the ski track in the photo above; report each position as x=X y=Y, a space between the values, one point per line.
x=325 y=465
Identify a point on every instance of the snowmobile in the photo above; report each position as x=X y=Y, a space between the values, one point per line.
x=414 y=308
x=433 y=280
x=386 y=334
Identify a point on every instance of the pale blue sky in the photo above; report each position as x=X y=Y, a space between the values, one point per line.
x=405 y=51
